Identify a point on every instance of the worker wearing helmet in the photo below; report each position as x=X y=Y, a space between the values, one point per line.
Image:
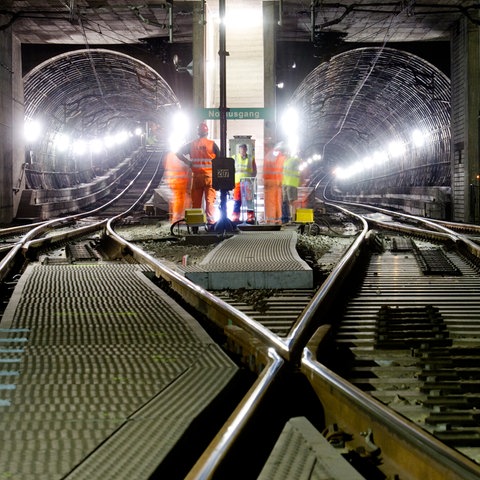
x=200 y=154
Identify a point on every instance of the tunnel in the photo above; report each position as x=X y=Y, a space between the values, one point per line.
x=352 y=107
x=377 y=118
x=93 y=96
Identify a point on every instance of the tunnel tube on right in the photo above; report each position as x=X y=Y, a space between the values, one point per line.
x=377 y=120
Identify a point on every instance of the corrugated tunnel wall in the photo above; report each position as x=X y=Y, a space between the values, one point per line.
x=89 y=94
x=380 y=118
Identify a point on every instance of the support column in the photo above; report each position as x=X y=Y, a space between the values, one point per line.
x=269 y=74
x=18 y=115
x=6 y=121
x=465 y=72
x=198 y=34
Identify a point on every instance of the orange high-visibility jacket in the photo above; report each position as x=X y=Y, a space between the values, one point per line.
x=273 y=167
x=176 y=172
x=202 y=151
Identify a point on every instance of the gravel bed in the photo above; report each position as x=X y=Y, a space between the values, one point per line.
x=319 y=251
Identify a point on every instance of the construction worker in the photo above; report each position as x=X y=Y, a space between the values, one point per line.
x=245 y=166
x=272 y=184
x=290 y=183
x=177 y=178
x=200 y=153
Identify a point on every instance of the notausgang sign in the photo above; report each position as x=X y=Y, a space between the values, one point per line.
x=235 y=113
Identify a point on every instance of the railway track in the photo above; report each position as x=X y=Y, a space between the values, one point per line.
x=322 y=354
x=410 y=330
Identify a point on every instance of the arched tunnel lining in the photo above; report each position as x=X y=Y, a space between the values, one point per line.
x=351 y=105
x=359 y=101
x=94 y=92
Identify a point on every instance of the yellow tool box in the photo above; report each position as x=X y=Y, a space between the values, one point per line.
x=304 y=215
x=195 y=216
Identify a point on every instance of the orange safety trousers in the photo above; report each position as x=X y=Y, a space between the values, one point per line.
x=272 y=184
x=179 y=201
x=273 y=201
x=237 y=194
x=202 y=185
x=177 y=176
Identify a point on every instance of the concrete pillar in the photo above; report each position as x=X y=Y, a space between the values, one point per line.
x=198 y=36
x=245 y=65
x=18 y=115
x=465 y=72
x=6 y=123
x=245 y=68
x=269 y=74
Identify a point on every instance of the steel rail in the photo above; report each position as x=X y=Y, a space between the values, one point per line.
x=215 y=309
x=297 y=337
x=21 y=228
x=7 y=263
x=29 y=240
x=337 y=396
x=469 y=245
x=223 y=442
x=411 y=450
x=399 y=227
x=458 y=226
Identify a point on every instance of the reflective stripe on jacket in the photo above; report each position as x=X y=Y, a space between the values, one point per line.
x=243 y=167
x=175 y=169
x=201 y=154
x=273 y=166
x=291 y=172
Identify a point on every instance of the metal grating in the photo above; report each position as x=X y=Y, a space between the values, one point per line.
x=303 y=452
x=109 y=361
x=433 y=261
x=251 y=251
x=423 y=327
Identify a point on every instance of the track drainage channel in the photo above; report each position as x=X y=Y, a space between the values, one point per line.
x=435 y=262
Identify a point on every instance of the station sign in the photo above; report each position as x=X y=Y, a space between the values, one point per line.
x=236 y=113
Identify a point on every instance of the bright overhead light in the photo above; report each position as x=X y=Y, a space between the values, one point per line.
x=96 y=146
x=341 y=173
x=396 y=149
x=32 y=130
x=290 y=121
x=180 y=125
x=290 y=126
x=379 y=157
x=79 y=147
x=368 y=162
x=121 y=137
x=61 y=142
x=109 y=141
x=418 y=138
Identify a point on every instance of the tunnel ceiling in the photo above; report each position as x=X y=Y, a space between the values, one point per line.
x=104 y=89
x=364 y=99
x=103 y=22
x=95 y=92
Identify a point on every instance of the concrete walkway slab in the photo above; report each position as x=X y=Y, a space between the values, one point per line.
x=253 y=260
